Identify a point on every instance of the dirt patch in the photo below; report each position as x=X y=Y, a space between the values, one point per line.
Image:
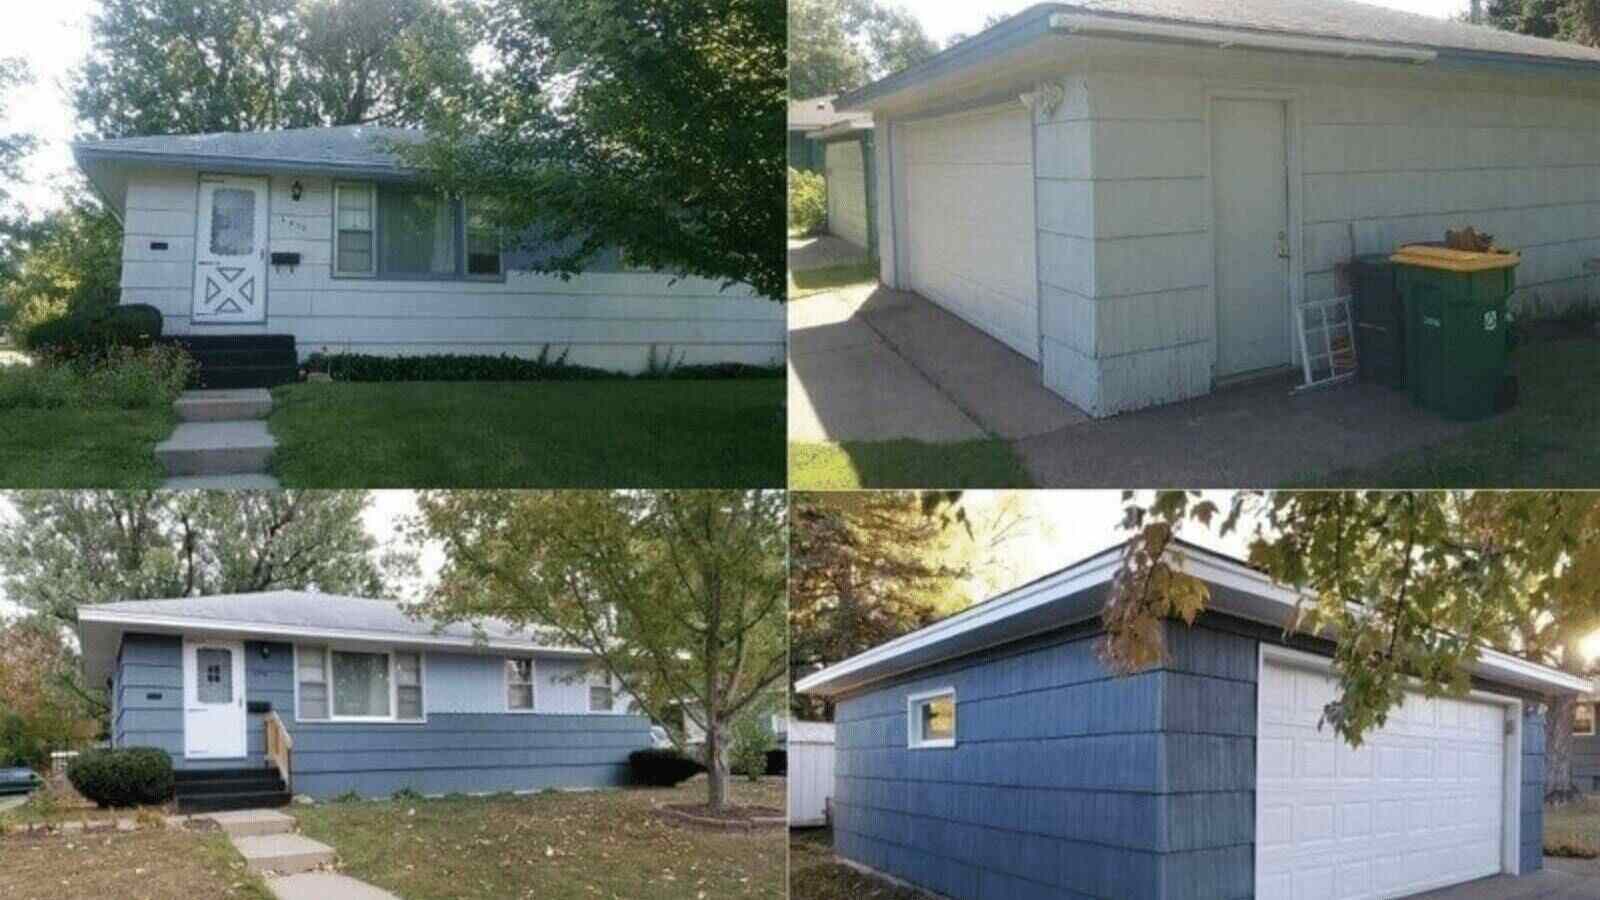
x=153 y=864
x=728 y=818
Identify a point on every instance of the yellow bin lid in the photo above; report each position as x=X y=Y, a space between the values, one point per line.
x=1454 y=260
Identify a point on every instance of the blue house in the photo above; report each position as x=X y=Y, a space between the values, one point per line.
x=261 y=696
x=993 y=755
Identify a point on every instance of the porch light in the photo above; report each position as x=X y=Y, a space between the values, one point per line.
x=266 y=651
x=295 y=190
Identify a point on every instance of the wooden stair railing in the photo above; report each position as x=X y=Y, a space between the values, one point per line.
x=280 y=749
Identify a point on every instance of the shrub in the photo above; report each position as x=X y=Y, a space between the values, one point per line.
x=445 y=367
x=406 y=794
x=808 y=201
x=129 y=776
x=662 y=768
x=96 y=334
x=124 y=377
x=747 y=755
x=39 y=386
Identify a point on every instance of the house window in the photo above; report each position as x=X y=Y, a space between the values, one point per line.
x=601 y=697
x=354 y=232
x=335 y=685
x=1583 y=720
x=404 y=232
x=519 y=684
x=931 y=719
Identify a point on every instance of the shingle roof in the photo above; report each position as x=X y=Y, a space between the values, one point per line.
x=348 y=145
x=308 y=610
x=1340 y=19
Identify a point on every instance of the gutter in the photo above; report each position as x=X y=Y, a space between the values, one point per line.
x=213 y=163
x=1228 y=38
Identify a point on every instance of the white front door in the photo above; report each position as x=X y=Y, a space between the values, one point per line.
x=231 y=251
x=213 y=700
x=1420 y=805
x=1249 y=169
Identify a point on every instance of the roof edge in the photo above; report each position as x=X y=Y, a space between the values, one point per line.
x=96 y=151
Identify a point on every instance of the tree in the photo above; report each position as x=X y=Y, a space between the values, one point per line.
x=1413 y=582
x=894 y=37
x=14 y=147
x=39 y=710
x=179 y=67
x=823 y=58
x=63 y=549
x=1539 y=18
x=989 y=21
x=68 y=261
x=653 y=128
x=679 y=595
x=866 y=568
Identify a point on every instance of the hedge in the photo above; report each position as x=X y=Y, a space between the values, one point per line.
x=662 y=768
x=129 y=776
x=135 y=325
x=450 y=367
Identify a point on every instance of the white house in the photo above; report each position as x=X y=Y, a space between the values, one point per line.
x=321 y=234
x=1135 y=194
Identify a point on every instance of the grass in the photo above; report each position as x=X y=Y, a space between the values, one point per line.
x=150 y=864
x=642 y=433
x=553 y=846
x=73 y=447
x=905 y=464
x=814 y=875
x=1573 y=829
x=830 y=278
x=1548 y=441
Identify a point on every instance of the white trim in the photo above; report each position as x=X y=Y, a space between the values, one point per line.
x=393 y=718
x=533 y=685
x=1575 y=732
x=191 y=688
x=258 y=630
x=371 y=189
x=1226 y=38
x=914 y=738
x=1511 y=777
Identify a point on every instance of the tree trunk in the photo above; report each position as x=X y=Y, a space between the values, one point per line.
x=1559 y=787
x=716 y=763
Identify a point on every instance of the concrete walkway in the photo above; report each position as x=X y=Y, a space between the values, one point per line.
x=870 y=364
x=292 y=863
x=1561 y=879
x=221 y=441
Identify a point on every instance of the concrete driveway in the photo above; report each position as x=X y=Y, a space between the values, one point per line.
x=1561 y=879
x=870 y=364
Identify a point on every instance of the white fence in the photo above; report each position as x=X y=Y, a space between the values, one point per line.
x=810 y=773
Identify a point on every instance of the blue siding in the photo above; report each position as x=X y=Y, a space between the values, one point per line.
x=450 y=752
x=1066 y=782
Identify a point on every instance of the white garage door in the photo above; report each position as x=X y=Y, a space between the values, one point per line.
x=847 y=191
x=968 y=227
x=1417 y=807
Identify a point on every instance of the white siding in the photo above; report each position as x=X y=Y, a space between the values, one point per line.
x=967 y=234
x=609 y=320
x=1398 y=152
x=847 y=191
x=810 y=772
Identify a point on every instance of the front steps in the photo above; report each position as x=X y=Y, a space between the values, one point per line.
x=221 y=440
x=220 y=790
x=241 y=360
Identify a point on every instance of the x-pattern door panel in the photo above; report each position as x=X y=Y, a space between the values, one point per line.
x=230 y=266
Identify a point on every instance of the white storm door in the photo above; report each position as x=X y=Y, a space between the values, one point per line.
x=231 y=251
x=1249 y=170
x=1419 y=806
x=213 y=700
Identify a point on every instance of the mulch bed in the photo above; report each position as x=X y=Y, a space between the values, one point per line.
x=729 y=818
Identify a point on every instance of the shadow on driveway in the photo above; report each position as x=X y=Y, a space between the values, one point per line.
x=1561 y=879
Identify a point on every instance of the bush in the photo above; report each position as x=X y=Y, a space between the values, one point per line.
x=124 y=377
x=447 y=367
x=808 y=201
x=136 y=326
x=662 y=768
x=130 y=776
x=747 y=755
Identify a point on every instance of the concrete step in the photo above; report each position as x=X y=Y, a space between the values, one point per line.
x=286 y=854
x=234 y=377
x=224 y=406
x=325 y=886
x=247 y=822
x=250 y=799
x=216 y=448
x=239 y=482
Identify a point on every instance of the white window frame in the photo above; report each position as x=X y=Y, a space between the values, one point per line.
x=914 y=702
x=533 y=684
x=1592 y=712
x=600 y=679
x=371 y=190
x=394 y=683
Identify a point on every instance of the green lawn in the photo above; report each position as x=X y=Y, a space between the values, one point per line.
x=905 y=464
x=820 y=281
x=554 y=846
x=663 y=433
x=1552 y=438
x=73 y=447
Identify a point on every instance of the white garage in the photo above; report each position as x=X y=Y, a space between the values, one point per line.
x=1429 y=800
x=844 y=166
x=967 y=223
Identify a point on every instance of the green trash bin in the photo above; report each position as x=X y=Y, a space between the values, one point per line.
x=1456 y=326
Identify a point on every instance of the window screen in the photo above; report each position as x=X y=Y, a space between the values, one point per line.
x=519 y=684
x=360 y=684
x=216 y=674
x=408 y=685
x=233 y=222
x=416 y=233
x=313 y=675
x=354 y=229
x=1583 y=719
x=600 y=698
x=483 y=243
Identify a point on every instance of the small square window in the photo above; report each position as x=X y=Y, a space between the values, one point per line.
x=600 y=698
x=1583 y=720
x=931 y=719
x=519 y=684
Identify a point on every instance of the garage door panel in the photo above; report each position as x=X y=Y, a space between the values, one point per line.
x=969 y=223
x=1419 y=805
